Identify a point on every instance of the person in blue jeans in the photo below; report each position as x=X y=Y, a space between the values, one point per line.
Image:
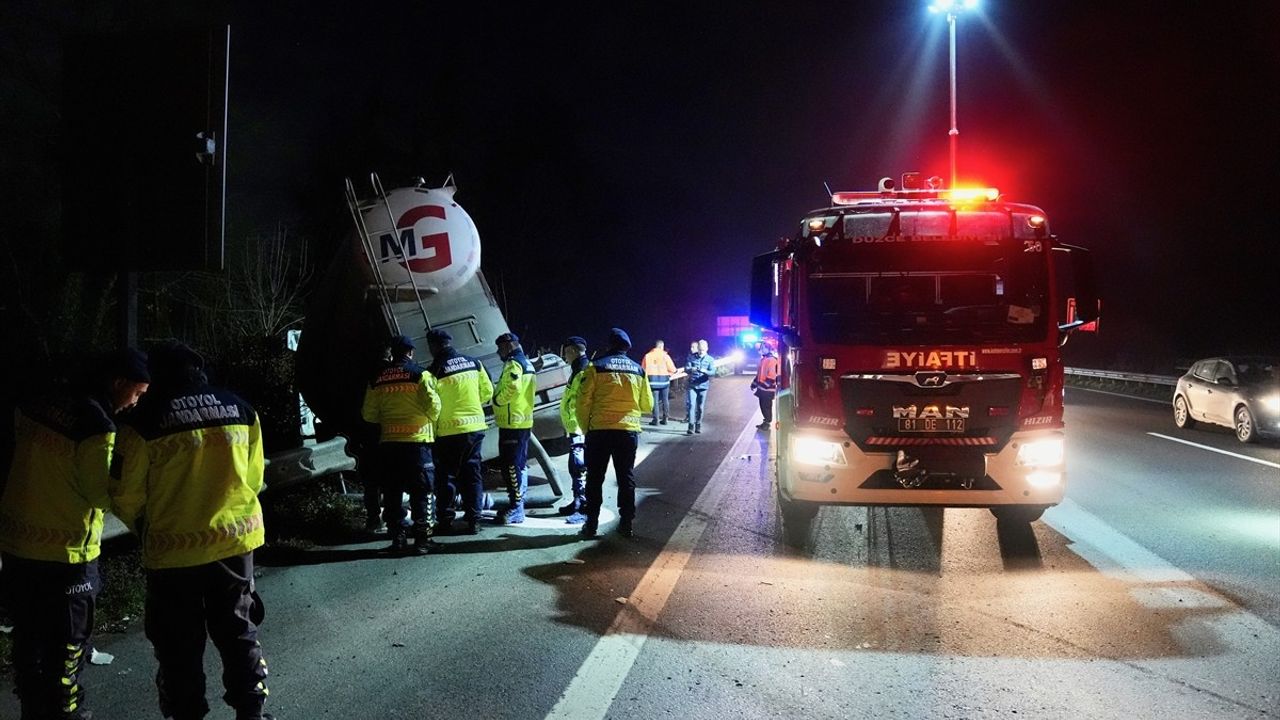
x=700 y=367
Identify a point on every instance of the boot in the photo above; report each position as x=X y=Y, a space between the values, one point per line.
x=422 y=543
x=689 y=431
x=698 y=428
x=398 y=544
x=624 y=528
x=569 y=508
x=513 y=515
x=589 y=529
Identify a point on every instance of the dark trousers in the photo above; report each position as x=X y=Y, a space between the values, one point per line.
x=513 y=457
x=458 y=465
x=661 y=402
x=185 y=604
x=52 y=605
x=766 y=405
x=578 y=469
x=601 y=447
x=407 y=468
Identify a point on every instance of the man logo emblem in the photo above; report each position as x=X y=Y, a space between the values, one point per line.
x=931 y=379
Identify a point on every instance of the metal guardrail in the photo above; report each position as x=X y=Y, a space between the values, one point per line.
x=1140 y=378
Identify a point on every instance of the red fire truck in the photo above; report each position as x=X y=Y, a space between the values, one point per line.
x=920 y=330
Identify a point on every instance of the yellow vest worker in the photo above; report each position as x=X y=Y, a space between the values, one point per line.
x=51 y=529
x=190 y=477
x=574 y=352
x=614 y=394
x=403 y=402
x=513 y=412
x=464 y=387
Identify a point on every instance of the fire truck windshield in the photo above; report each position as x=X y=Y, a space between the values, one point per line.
x=928 y=277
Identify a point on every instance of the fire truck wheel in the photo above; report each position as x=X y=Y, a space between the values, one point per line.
x=1017 y=513
x=1182 y=414
x=797 y=521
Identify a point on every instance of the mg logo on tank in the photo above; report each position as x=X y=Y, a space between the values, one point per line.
x=433 y=242
x=934 y=412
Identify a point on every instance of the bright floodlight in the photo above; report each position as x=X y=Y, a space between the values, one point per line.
x=951 y=7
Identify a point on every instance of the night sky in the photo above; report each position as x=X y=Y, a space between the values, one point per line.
x=624 y=161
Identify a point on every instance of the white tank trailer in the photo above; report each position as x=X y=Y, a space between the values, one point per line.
x=412 y=265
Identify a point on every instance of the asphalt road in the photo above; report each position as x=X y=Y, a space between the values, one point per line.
x=1153 y=591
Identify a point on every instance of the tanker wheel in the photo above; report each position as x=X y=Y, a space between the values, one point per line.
x=1022 y=514
x=797 y=521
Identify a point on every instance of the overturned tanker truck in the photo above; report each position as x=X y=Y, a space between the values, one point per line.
x=412 y=265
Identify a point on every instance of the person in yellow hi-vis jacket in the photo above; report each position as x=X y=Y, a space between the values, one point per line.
x=574 y=352
x=615 y=393
x=190 y=475
x=513 y=413
x=51 y=530
x=464 y=387
x=403 y=403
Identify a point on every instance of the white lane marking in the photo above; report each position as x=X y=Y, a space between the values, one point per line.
x=1128 y=397
x=1247 y=652
x=1260 y=461
x=1108 y=550
x=597 y=682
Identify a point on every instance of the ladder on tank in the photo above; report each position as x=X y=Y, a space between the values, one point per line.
x=387 y=294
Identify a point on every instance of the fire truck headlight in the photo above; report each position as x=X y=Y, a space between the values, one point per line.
x=1042 y=479
x=1048 y=452
x=812 y=451
x=1271 y=404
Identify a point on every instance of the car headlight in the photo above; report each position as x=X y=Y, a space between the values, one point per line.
x=1271 y=404
x=1042 y=453
x=812 y=451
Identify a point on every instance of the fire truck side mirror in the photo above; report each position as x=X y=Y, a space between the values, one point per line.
x=764 y=291
x=1083 y=309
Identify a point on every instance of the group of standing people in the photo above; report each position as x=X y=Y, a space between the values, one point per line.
x=431 y=425
x=699 y=368
x=183 y=470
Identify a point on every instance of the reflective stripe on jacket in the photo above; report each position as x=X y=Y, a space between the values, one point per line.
x=190 y=477
x=659 y=368
x=514 y=397
x=403 y=402
x=569 y=402
x=53 y=502
x=614 y=394
x=767 y=375
x=464 y=386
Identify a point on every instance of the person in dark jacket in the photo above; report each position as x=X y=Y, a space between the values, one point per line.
x=700 y=368
x=51 y=514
